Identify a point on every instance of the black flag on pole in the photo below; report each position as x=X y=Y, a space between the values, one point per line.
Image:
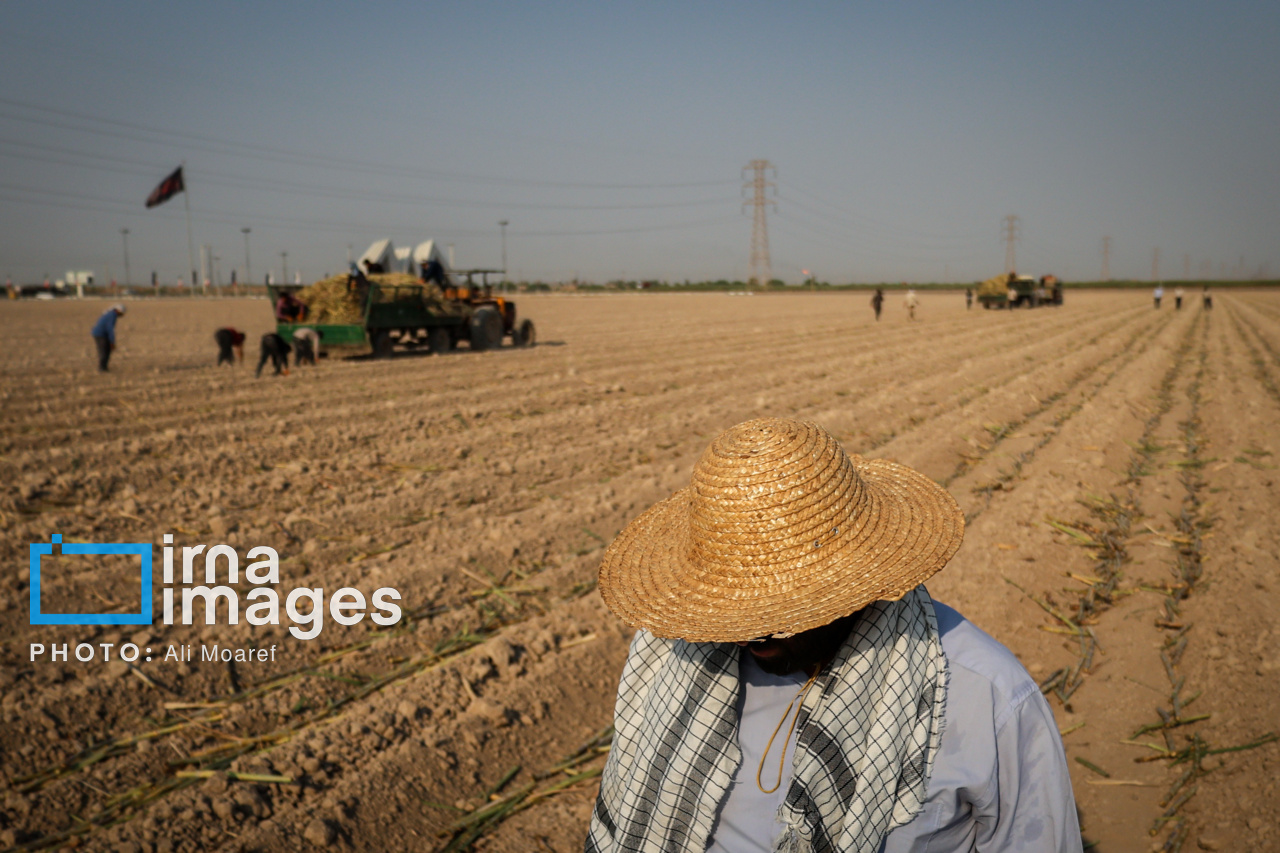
x=167 y=188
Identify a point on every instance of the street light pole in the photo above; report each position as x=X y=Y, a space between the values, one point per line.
x=124 y=234
x=503 y=225
x=248 y=273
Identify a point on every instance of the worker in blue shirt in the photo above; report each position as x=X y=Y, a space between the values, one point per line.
x=104 y=334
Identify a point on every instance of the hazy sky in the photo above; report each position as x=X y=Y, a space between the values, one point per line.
x=613 y=136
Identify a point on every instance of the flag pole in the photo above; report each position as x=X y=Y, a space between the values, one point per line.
x=186 y=203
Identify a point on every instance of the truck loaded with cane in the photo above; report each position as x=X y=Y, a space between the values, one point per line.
x=1010 y=290
x=406 y=300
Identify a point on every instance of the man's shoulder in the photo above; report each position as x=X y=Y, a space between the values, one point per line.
x=982 y=657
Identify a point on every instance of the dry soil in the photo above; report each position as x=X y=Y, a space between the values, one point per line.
x=1117 y=466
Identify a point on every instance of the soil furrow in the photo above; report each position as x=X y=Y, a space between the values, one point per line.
x=484 y=488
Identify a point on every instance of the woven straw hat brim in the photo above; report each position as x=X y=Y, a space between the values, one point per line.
x=898 y=529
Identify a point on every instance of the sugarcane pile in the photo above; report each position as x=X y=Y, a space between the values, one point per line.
x=331 y=301
x=996 y=286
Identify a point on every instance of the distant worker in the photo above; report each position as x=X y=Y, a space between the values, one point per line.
x=1177 y=299
x=306 y=346
x=358 y=284
x=1011 y=298
x=290 y=309
x=104 y=334
x=433 y=272
x=911 y=301
x=1158 y=294
x=276 y=349
x=355 y=277
x=877 y=302
x=230 y=345
x=1208 y=298
x=968 y=298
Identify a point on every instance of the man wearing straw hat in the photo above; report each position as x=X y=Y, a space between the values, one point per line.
x=792 y=686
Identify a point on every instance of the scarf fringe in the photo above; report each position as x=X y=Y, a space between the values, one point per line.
x=795 y=838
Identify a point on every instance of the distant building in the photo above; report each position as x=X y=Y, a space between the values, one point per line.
x=74 y=278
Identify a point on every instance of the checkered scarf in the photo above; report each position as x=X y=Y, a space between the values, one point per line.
x=869 y=731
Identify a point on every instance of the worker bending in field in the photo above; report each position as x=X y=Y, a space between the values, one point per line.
x=104 y=335
x=792 y=686
x=276 y=349
x=230 y=345
x=306 y=346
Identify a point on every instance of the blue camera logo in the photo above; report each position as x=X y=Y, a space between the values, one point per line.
x=140 y=549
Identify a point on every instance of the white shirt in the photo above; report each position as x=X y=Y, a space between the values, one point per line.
x=748 y=819
x=1000 y=748
x=308 y=335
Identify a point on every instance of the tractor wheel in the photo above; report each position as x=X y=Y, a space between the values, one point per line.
x=526 y=335
x=486 y=328
x=383 y=346
x=439 y=340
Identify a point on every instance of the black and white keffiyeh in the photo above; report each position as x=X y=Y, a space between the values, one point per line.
x=868 y=734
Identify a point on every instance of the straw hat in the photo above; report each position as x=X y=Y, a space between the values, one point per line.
x=780 y=531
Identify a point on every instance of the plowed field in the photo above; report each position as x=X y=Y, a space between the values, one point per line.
x=1118 y=467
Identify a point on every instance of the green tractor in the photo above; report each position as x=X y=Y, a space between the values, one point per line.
x=388 y=316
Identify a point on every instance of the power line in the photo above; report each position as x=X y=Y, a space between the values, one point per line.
x=839 y=240
x=760 y=266
x=113 y=206
x=1010 y=243
x=861 y=221
x=293 y=157
x=236 y=182
x=719 y=220
x=869 y=244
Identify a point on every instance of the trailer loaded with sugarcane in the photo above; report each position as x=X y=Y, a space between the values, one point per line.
x=382 y=311
x=1010 y=290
